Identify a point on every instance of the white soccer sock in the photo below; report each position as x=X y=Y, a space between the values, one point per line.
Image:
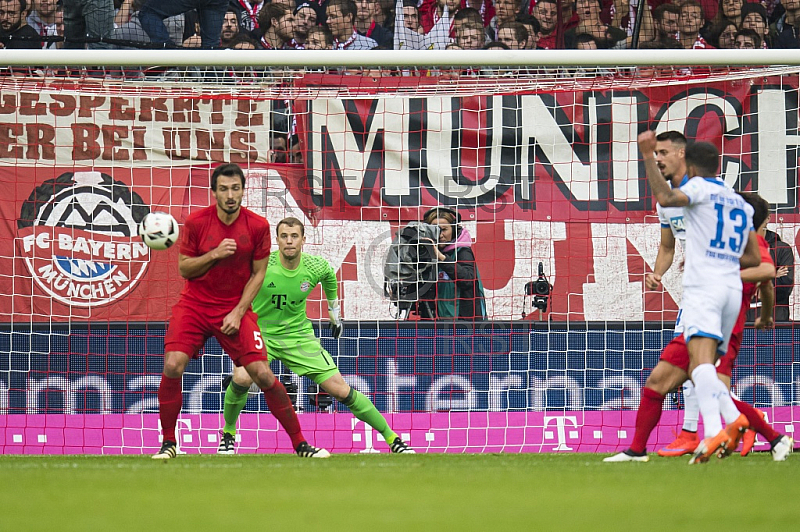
x=726 y=406
x=691 y=408
x=705 y=386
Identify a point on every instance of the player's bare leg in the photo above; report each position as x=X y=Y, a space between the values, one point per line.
x=281 y=407
x=365 y=410
x=170 y=400
x=662 y=379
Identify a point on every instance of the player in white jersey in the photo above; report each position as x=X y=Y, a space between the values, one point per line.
x=719 y=241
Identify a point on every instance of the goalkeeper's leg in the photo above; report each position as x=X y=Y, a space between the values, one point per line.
x=361 y=407
x=235 y=399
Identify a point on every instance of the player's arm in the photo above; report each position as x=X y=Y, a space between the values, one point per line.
x=767 y=296
x=665 y=195
x=752 y=254
x=666 y=253
x=191 y=267
x=230 y=324
x=759 y=274
x=331 y=288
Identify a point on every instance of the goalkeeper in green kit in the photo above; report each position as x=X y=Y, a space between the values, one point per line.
x=289 y=336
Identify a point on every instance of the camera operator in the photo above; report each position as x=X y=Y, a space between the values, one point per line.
x=458 y=293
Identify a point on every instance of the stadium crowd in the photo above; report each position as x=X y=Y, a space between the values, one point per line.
x=399 y=24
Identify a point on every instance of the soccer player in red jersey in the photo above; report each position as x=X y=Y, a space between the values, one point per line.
x=672 y=369
x=223 y=257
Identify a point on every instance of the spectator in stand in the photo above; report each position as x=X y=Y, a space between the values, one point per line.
x=411 y=16
x=533 y=28
x=15 y=33
x=43 y=20
x=408 y=34
x=276 y=21
x=754 y=17
x=666 y=18
x=129 y=28
x=505 y=11
x=242 y=42
x=230 y=28
x=484 y=7
x=211 y=14
x=589 y=22
x=728 y=9
x=306 y=16
x=367 y=14
x=341 y=16
x=494 y=45
x=319 y=38
x=87 y=22
x=470 y=36
x=690 y=23
x=584 y=41
x=431 y=11
x=785 y=33
x=722 y=34
x=513 y=34
x=746 y=39
x=783 y=256
x=247 y=14
x=467 y=14
x=546 y=12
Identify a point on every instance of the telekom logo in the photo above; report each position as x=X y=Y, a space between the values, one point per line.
x=561 y=430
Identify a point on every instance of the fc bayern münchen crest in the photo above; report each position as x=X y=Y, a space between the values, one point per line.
x=304 y=286
x=78 y=236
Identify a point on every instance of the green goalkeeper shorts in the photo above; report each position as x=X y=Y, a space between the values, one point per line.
x=302 y=355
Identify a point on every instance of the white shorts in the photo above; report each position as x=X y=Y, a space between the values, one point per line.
x=710 y=313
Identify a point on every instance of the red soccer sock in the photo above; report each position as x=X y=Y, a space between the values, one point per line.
x=170 y=401
x=281 y=407
x=646 y=419
x=757 y=422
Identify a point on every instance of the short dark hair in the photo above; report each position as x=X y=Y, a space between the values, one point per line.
x=269 y=12
x=520 y=31
x=753 y=34
x=348 y=8
x=760 y=207
x=23 y=5
x=291 y=221
x=584 y=38
x=227 y=170
x=676 y=137
x=704 y=157
x=468 y=13
x=529 y=20
x=495 y=45
x=658 y=13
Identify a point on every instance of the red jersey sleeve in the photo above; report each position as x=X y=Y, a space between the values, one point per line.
x=188 y=245
x=763 y=246
x=263 y=241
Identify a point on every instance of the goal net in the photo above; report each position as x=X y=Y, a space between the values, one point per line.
x=540 y=162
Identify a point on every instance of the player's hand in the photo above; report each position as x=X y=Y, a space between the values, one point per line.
x=764 y=324
x=231 y=323
x=781 y=271
x=647 y=143
x=226 y=248
x=336 y=325
x=652 y=281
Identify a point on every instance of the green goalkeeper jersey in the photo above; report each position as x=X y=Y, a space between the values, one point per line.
x=281 y=302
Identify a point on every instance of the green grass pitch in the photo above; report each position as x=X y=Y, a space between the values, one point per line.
x=396 y=492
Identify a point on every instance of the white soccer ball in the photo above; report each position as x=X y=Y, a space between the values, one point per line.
x=159 y=230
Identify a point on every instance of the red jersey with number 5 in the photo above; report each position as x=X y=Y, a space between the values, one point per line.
x=224 y=282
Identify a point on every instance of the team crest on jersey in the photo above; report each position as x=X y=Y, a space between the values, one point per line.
x=304 y=286
x=77 y=234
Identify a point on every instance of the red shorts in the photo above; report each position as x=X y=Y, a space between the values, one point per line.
x=677 y=354
x=191 y=325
